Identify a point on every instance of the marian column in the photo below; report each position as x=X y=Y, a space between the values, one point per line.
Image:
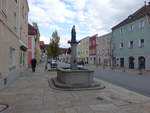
x=73 y=44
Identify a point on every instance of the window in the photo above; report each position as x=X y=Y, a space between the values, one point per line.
x=108 y=41
x=108 y=51
x=23 y=14
x=22 y=58
x=131 y=44
x=94 y=52
x=86 y=52
x=131 y=27
x=90 y=43
x=12 y=57
x=121 y=45
x=121 y=30
x=3 y=6
x=113 y=46
x=26 y=17
x=93 y=42
x=141 y=24
x=103 y=41
x=15 y=21
x=141 y=43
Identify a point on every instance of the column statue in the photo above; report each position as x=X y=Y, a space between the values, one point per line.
x=73 y=34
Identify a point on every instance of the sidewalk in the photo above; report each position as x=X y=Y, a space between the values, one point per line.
x=31 y=93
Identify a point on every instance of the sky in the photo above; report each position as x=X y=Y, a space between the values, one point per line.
x=89 y=16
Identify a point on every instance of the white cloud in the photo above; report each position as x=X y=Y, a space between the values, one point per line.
x=50 y=11
x=77 y=4
x=89 y=16
x=45 y=39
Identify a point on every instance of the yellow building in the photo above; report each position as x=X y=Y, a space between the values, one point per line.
x=84 y=49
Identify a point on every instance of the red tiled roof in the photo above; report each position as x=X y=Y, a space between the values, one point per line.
x=145 y=10
x=31 y=30
x=41 y=42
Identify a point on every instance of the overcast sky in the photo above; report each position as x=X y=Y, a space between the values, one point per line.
x=90 y=16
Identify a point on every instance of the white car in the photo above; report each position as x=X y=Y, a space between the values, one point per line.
x=53 y=64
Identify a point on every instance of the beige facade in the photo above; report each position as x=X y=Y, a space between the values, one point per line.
x=13 y=36
x=38 y=52
x=23 y=31
x=103 y=50
x=84 y=49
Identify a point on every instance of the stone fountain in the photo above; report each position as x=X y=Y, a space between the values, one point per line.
x=74 y=78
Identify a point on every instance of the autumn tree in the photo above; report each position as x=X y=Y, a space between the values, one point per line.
x=53 y=47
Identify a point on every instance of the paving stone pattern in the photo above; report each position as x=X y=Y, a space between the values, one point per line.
x=31 y=93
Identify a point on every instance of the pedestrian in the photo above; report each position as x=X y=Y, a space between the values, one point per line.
x=33 y=64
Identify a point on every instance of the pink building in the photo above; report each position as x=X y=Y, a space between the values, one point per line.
x=31 y=43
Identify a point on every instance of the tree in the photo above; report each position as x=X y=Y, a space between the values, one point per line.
x=53 y=47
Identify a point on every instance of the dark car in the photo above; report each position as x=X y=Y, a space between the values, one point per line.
x=81 y=63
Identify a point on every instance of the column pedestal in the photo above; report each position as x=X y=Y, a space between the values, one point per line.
x=73 y=59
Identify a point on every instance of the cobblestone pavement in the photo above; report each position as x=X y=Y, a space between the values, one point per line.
x=31 y=93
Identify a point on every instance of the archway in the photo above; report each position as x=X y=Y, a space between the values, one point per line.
x=141 y=61
x=121 y=62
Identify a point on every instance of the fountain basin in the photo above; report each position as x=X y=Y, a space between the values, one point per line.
x=75 y=78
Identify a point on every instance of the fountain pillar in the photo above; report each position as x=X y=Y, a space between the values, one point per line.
x=73 y=59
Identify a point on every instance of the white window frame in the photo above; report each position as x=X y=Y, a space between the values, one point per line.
x=141 y=45
x=121 y=30
x=121 y=45
x=90 y=43
x=12 y=57
x=141 y=24
x=131 y=27
x=129 y=45
x=3 y=7
x=93 y=42
x=15 y=22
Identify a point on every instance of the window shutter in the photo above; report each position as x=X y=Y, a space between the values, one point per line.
x=120 y=45
x=129 y=44
x=139 y=43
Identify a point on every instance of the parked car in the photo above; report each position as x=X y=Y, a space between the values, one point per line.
x=49 y=60
x=53 y=64
x=81 y=63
